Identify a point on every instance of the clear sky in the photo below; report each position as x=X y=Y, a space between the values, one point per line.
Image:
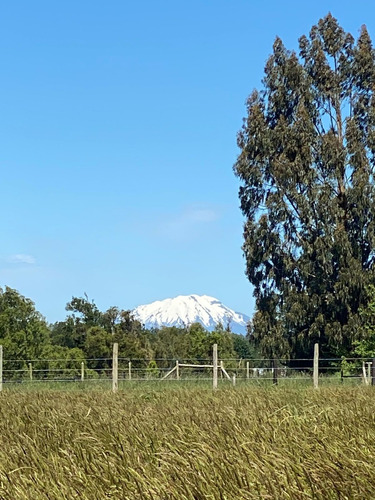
x=118 y=125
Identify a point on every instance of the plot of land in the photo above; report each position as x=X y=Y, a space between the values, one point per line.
x=188 y=443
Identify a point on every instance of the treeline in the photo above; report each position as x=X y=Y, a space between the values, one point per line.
x=88 y=333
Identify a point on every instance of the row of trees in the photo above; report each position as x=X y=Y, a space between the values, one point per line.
x=90 y=333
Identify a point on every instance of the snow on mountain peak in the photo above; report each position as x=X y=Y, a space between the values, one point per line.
x=187 y=309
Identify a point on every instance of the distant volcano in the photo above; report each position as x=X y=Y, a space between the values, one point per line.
x=187 y=309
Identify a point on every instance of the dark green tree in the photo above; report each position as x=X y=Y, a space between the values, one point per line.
x=98 y=345
x=307 y=191
x=93 y=331
x=72 y=332
x=133 y=340
x=84 y=310
x=365 y=348
x=170 y=342
x=110 y=318
x=66 y=334
x=24 y=333
x=244 y=348
x=224 y=340
x=197 y=348
x=58 y=361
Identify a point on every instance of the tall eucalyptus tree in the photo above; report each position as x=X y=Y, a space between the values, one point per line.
x=307 y=191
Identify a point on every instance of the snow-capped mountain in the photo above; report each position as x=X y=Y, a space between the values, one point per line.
x=187 y=309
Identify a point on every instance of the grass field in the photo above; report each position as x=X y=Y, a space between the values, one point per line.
x=182 y=443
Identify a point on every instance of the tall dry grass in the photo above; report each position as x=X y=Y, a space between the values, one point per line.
x=244 y=443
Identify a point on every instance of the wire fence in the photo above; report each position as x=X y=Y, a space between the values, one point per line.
x=258 y=371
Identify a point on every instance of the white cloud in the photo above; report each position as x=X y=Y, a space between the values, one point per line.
x=199 y=215
x=188 y=224
x=21 y=258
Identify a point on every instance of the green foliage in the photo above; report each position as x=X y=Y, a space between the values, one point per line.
x=84 y=310
x=365 y=348
x=59 y=362
x=152 y=370
x=24 y=334
x=170 y=342
x=98 y=344
x=197 y=343
x=65 y=333
x=306 y=167
x=132 y=338
x=243 y=348
x=224 y=340
x=72 y=332
x=93 y=331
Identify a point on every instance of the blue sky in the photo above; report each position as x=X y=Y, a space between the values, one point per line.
x=118 y=125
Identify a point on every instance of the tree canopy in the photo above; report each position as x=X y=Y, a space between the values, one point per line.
x=306 y=166
x=24 y=333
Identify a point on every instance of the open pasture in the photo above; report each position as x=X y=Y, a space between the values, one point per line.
x=188 y=443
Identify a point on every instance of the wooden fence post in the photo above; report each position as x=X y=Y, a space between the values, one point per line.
x=215 y=365
x=366 y=372
x=373 y=372
x=247 y=369
x=130 y=370
x=115 y=368
x=31 y=371
x=234 y=379
x=1 y=367
x=316 y=366
x=177 y=370
x=274 y=371
x=82 y=371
